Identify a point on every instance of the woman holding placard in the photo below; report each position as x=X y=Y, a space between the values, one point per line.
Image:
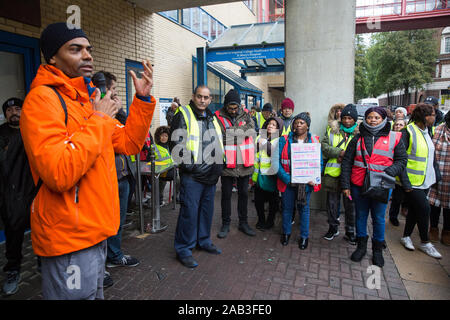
x=289 y=191
x=376 y=149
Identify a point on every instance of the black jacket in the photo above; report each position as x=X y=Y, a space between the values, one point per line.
x=406 y=184
x=439 y=117
x=204 y=173
x=16 y=181
x=400 y=155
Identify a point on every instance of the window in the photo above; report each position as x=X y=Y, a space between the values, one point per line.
x=447 y=45
x=197 y=20
x=172 y=14
x=213 y=29
x=187 y=18
x=214 y=86
x=413 y=6
x=205 y=25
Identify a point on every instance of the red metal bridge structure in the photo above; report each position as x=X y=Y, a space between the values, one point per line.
x=389 y=15
x=394 y=15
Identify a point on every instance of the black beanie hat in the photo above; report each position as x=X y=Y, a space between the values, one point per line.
x=305 y=117
x=350 y=111
x=267 y=107
x=12 y=102
x=232 y=97
x=55 y=35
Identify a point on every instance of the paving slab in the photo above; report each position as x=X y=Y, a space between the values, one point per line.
x=255 y=268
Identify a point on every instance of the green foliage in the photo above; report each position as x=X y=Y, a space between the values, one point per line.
x=361 y=79
x=400 y=60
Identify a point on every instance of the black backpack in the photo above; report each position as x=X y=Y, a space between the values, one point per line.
x=20 y=190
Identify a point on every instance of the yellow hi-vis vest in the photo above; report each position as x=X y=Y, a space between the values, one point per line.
x=286 y=129
x=260 y=119
x=263 y=162
x=193 y=130
x=417 y=156
x=162 y=155
x=333 y=168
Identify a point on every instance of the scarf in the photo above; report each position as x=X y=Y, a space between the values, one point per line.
x=349 y=130
x=374 y=130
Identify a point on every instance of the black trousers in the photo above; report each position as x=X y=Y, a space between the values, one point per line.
x=333 y=200
x=398 y=199
x=13 y=244
x=261 y=197
x=434 y=217
x=418 y=213
x=227 y=187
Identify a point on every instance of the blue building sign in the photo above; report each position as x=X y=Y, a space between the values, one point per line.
x=245 y=54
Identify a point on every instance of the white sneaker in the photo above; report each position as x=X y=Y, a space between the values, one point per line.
x=407 y=243
x=430 y=250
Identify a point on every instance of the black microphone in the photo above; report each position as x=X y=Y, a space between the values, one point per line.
x=100 y=82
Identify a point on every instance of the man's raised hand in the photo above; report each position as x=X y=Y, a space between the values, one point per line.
x=144 y=85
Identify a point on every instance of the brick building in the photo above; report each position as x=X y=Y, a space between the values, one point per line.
x=122 y=35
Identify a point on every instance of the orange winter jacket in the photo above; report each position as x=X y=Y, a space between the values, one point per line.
x=78 y=203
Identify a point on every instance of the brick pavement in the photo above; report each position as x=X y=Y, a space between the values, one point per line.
x=255 y=268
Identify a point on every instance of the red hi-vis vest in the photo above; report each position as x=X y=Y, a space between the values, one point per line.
x=247 y=147
x=286 y=163
x=382 y=156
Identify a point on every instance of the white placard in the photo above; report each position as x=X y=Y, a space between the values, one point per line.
x=305 y=162
x=164 y=105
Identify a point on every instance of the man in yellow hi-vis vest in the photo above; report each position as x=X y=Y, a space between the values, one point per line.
x=337 y=137
x=196 y=145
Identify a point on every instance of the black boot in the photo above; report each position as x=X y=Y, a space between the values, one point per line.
x=223 y=231
x=361 y=249
x=303 y=243
x=350 y=237
x=377 y=253
x=261 y=222
x=245 y=228
x=269 y=221
x=285 y=239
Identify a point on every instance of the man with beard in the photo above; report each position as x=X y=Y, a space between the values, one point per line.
x=12 y=175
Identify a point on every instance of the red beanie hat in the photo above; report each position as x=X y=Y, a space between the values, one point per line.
x=287 y=103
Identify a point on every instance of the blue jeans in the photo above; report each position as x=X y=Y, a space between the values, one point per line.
x=195 y=218
x=114 y=251
x=288 y=199
x=377 y=210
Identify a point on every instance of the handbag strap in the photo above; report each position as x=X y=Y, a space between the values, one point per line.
x=363 y=146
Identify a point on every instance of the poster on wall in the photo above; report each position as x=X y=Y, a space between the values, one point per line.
x=305 y=162
x=164 y=105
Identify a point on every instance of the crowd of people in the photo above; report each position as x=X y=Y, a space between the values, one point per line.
x=68 y=170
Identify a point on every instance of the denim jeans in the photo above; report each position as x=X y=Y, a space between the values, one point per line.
x=114 y=251
x=377 y=210
x=288 y=199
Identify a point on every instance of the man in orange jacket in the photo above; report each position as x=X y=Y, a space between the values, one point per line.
x=77 y=206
